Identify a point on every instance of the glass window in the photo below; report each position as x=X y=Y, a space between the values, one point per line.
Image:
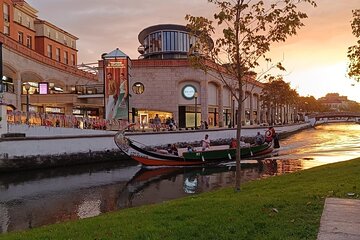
x=181 y=41
x=29 y=41
x=58 y=54
x=20 y=37
x=49 y=51
x=6 y=30
x=73 y=59
x=6 y=12
x=146 y=45
x=167 y=41
x=66 y=57
x=172 y=41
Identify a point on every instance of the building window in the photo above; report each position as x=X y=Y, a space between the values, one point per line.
x=66 y=57
x=73 y=59
x=65 y=43
x=29 y=41
x=6 y=12
x=20 y=18
x=48 y=33
x=49 y=51
x=155 y=44
x=6 y=30
x=58 y=54
x=20 y=37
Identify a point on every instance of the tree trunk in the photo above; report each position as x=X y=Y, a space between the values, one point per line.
x=238 y=136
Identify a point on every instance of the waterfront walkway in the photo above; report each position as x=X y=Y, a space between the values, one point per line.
x=340 y=220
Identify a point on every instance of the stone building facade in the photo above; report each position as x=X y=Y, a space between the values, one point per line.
x=166 y=75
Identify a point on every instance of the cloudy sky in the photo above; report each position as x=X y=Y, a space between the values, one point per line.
x=315 y=59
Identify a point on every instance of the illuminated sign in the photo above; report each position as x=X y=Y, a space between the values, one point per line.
x=188 y=92
x=43 y=88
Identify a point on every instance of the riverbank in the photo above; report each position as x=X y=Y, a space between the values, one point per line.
x=282 y=207
x=44 y=147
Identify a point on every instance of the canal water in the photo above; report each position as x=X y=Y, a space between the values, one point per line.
x=35 y=198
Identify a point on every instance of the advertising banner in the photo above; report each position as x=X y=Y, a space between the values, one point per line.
x=116 y=89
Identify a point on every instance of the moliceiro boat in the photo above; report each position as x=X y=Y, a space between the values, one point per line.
x=139 y=153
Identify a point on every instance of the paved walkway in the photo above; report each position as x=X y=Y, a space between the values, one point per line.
x=340 y=220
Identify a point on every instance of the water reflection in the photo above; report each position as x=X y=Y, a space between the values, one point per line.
x=35 y=198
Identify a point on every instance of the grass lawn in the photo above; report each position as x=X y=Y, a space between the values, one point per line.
x=283 y=207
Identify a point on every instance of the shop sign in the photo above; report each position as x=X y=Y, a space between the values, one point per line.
x=52 y=110
x=188 y=92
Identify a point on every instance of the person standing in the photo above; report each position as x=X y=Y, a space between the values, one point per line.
x=157 y=122
x=205 y=143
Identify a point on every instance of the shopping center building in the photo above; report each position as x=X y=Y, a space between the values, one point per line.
x=41 y=76
x=171 y=87
x=40 y=59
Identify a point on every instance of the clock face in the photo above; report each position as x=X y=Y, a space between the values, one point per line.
x=188 y=91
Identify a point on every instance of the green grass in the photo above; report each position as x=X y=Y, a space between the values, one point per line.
x=283 y=207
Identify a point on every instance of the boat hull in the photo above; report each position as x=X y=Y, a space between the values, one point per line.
x=153 y=158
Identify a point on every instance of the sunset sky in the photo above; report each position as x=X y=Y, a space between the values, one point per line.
x=315 y=59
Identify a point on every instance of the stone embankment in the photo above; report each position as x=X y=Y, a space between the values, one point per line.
x=49 y=147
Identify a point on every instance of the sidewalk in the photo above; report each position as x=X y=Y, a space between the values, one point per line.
x=340 y=220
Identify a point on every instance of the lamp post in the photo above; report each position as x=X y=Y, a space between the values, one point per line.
x=195 y=97
x=27 y=88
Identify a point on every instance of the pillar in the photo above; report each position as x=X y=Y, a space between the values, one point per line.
x=221 y=106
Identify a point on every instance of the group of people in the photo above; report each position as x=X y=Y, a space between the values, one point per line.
x=169 y=123
x=260 y=139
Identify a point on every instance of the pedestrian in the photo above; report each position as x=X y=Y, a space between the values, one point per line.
x=202 y=125
x=205 y=143
x=206 y=125
x=157 y=122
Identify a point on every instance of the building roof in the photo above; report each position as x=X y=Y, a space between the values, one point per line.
x=117 y=53
x=40 y=21
x=161 y=27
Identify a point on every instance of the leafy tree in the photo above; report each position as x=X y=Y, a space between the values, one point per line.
x=309 y=104
x=354 y=51
x=276 y=94
x=248 y=27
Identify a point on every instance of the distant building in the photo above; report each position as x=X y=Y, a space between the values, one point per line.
x=335 y=102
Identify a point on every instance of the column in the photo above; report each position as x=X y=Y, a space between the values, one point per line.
x=251 y=109
x=18 y=90
x=204 y=100
x=221 y=106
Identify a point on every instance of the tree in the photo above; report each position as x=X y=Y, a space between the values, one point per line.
x=354 y=51
x=248 y=27
x=277 y=94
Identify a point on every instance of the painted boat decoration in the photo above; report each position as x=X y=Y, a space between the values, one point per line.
x=139 y=153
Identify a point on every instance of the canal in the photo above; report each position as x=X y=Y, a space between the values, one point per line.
x=35 y=198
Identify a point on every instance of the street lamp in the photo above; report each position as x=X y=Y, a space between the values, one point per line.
x=195 y=97
x=27 y=88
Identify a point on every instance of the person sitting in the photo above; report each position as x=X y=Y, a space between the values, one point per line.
x=259 y=139
x=190 y=149
x=242 y=143
x=173 y=149
x=233 y=143
x=205 y=143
